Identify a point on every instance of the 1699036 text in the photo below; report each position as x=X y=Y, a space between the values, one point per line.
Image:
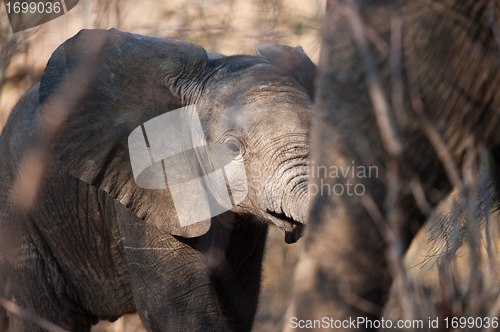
x=33 y=7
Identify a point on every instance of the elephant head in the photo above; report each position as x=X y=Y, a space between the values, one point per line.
x=101 y=89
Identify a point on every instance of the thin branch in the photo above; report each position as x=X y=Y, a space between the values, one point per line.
x=27 y=315
x=391 y=142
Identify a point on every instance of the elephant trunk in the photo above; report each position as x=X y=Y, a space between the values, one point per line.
x=297 y=208
x=287 y=199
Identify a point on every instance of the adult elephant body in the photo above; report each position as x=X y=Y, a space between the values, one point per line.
x=82 y=241
x=410 y=88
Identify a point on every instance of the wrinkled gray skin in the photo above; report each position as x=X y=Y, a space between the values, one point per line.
x=450 y=72
x=92 y=244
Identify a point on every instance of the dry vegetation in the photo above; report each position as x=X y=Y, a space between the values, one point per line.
x=451 y=267
x=450 y=270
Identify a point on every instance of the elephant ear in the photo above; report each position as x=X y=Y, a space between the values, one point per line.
x=100 y=86
x=293 y=61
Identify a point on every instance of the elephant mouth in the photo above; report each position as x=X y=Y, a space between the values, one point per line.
x=293 y=229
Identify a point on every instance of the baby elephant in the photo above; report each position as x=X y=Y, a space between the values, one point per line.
x=141 y=173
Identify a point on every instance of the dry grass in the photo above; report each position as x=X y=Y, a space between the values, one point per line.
x=451 y=271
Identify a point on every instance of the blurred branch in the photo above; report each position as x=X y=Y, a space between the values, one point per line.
x=493 y=21
x=29 y=316
x=437 y=141
x=390 y=141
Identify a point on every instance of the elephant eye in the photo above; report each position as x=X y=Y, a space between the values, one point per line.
x=233 y=147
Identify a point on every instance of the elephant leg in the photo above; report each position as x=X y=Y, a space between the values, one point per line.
x=170 y=283
x=181 y=283
x=234 y=255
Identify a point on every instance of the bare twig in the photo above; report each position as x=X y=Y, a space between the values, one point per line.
x=27 y=315
x=381 y=106
x=391 y=142
x=437 y=141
